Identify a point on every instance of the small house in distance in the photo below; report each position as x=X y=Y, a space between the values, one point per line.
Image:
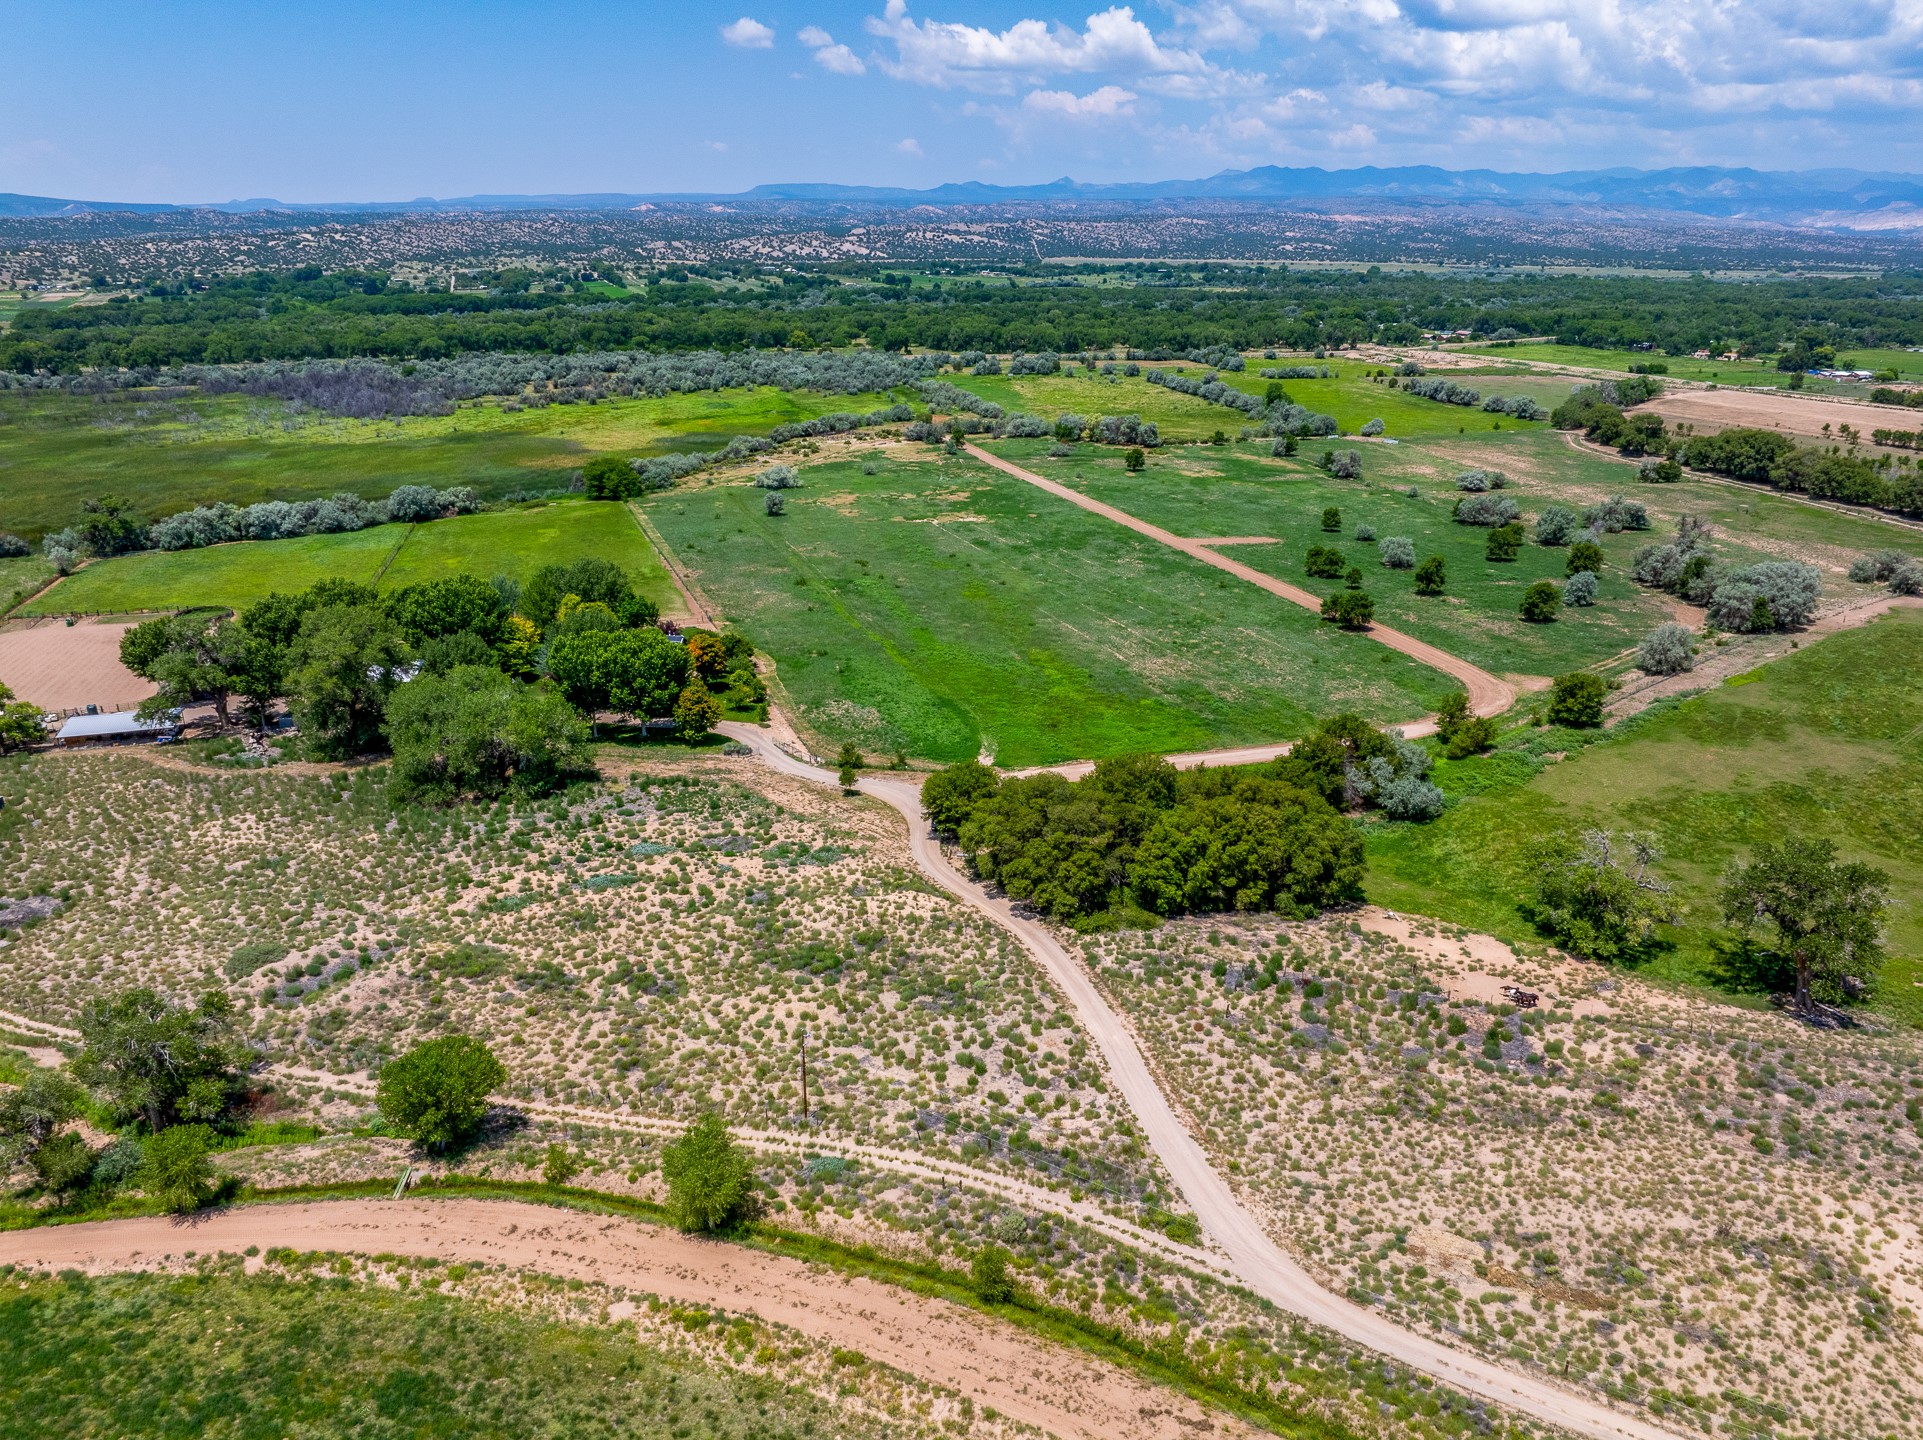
x=119 y=727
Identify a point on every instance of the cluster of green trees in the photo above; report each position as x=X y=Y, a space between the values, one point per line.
x=477 y=687
x=278 y=316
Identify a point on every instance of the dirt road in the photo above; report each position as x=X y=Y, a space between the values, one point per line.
x=1261 y=1264
x=1488 y=695
x=996 y=1364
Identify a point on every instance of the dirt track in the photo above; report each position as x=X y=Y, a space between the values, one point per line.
x=996 y=1364
x=1487 y=694
x=59 y=667
x=1261 y=1264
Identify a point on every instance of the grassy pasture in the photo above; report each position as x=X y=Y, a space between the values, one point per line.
x=510 y=542
x=1827 y=741
x=57 y=450
x=939 y=608
x=1231 y=491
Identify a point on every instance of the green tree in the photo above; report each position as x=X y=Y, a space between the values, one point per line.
x=201 y=657
x=636 y=672
x=1585 y=555
x=1504 y=543
x=344 y=663
x=1451 y=712
x=1576 y=699
x=560 y=1166
x=22 y=723
x=1266 y=846
x=1600 y=896
x=1351 y=609
x=108 y=526
x=437 y=1093
x=65 y=1163
x=595 y=581
x=448 y=606
x=476 y=732
x=609 y=477
x=159 y=1062
x=175 y=1170
x=1825 y=915
x=696 y=712
x=1431 y=576
x=988 y=1276
x=1353 y=579
x=1134 y=460
x=850 y=762
x=949 y=796
x=1332 y=519
x=710 y=1183
x=32 y=1113
x=1542 y=601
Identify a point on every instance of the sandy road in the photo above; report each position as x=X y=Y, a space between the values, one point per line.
x=1033 y=1380
x=1488 y=695
x=1262 y=1265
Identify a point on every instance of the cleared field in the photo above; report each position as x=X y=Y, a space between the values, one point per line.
x=1228 y=491
x=508 y=542
x=170 y=454
x=1827 y=741
x=1680 y=367
x=61 y=667
x=1807 y=417
x=941 y=609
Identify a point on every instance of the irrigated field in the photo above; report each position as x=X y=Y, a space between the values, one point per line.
x=1827 y=742
x=942 y=609
x=1705 y=1211
x=509 y=542
x=168 y=454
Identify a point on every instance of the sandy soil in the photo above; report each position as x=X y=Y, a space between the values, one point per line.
x=62 y=667
x=1792 y=414
x=1263 y=1266
x=1027 y=1379
x=1488 y=695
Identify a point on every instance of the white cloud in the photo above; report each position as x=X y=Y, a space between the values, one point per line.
x=830 y=56
x=748 y=34
x=910 y=146
x=1106 y=103
x=943 y=52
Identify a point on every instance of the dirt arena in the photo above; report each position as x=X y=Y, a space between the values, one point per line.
x=1799 y=415
x=62 y=667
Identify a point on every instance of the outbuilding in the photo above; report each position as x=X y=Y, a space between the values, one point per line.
x=117 y=727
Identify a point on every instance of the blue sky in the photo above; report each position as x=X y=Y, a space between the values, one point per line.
x=349 y=100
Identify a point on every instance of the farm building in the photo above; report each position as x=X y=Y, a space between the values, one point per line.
x=115 y=728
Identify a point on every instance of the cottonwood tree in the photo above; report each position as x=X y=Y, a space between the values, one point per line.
x=710 y=1184
x=1600 y=896
x=1826 y=915
x=162 y=1063
x=437 y=1093
x=341 y=669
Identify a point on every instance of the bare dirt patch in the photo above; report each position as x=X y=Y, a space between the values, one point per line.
x=1804 y=415
x=68 y=667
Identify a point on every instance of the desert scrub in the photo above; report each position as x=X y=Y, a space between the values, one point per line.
x=662 y=944
x=1666 y=1197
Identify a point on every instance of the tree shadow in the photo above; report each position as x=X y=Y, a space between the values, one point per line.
x=1738 y=964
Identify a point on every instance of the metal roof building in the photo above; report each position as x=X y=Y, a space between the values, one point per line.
x=120 y=725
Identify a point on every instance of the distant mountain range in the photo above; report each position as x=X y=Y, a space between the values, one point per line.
x=1840 y=199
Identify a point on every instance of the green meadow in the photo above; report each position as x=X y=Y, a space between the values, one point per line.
x=942 y=609
x=509 y=542
x=164 y=454
x=1827 y=741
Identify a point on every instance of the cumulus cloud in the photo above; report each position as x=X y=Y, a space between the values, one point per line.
x=910 y=146
x=949 y=53
x=1104 y=103
x=830 y=56
x=748 y=34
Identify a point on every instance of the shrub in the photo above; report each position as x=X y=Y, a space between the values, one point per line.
x=1907 y=578
x=1576 y=699
x=1505 y=542
x=437 y=1093
x=1431 y=576
x=1542 y=601
x=1557 y=525
x=1659 y=472
x=1477 y=481
x=1471 y=737
x=1398 y=783
x=1669 y=649
x=1776 y=594
x=1372 y=427
x=1351 y=609
x=1322 y=562
x=1343 y=464
x=1134 y=460
x=710 y=1184
x=1332 y=520
x=1365 y=532
x=1398 y=552
x=1615 y=515
x=1287 y=445
x=12 y=547
x=778 y=477
x=1489 y=510
x=1585 y=555
x=174 y=1168
x=988 y=1276
x=1581 y=588
x=560 y=1166
x=1877 y=568
x=775 y=503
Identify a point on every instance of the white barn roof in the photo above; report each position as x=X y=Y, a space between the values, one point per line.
x=117 y=725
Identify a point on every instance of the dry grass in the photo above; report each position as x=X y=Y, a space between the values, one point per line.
x=1707 y=1209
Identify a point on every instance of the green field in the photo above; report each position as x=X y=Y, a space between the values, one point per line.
x=57 y=450
x=1827 y=742
x=510 y=542
x=941 y=608
x=1230 y=491
x=220 y=1355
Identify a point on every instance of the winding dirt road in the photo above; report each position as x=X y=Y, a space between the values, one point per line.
x=1262 y=1265
x=1050 y=1386
x=1488 y=695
